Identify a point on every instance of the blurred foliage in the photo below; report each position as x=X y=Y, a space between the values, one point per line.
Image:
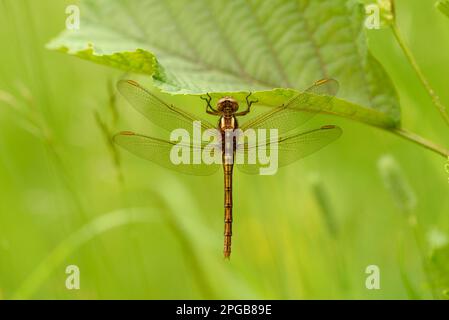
x=59 y=176
x=443 y=6
x=440 y=270
x=397 y=184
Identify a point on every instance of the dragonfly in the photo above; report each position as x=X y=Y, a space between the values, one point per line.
x=287 y=118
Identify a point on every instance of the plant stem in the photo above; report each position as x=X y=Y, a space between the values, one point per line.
x=420 y=242
x=421 y=141
x=408 y=285
x=435 y=98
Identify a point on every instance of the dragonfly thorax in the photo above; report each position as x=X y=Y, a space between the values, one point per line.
x=227 y=105
x=227 y=123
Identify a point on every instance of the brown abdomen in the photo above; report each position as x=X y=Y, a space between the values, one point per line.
x=228 y=209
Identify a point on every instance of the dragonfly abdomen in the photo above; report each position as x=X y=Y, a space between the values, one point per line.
x=228 y=168
x=227 y=125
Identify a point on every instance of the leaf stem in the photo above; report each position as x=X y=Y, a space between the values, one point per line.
x=435 y=98
x=421 y=141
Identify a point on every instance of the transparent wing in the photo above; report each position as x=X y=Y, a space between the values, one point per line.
x=157 y=111
x=160 y=152
x=298 y=110
x=290 y=148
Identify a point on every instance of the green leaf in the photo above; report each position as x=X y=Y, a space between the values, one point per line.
x=198 y=46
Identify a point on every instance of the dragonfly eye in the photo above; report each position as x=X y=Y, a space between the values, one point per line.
x=227 y=104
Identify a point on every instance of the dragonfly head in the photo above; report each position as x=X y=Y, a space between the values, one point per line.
x=227 y=105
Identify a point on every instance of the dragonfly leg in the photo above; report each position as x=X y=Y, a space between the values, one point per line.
x=209 y=108
x=248 y=105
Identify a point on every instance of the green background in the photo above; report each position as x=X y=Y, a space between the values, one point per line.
x=54 y=184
